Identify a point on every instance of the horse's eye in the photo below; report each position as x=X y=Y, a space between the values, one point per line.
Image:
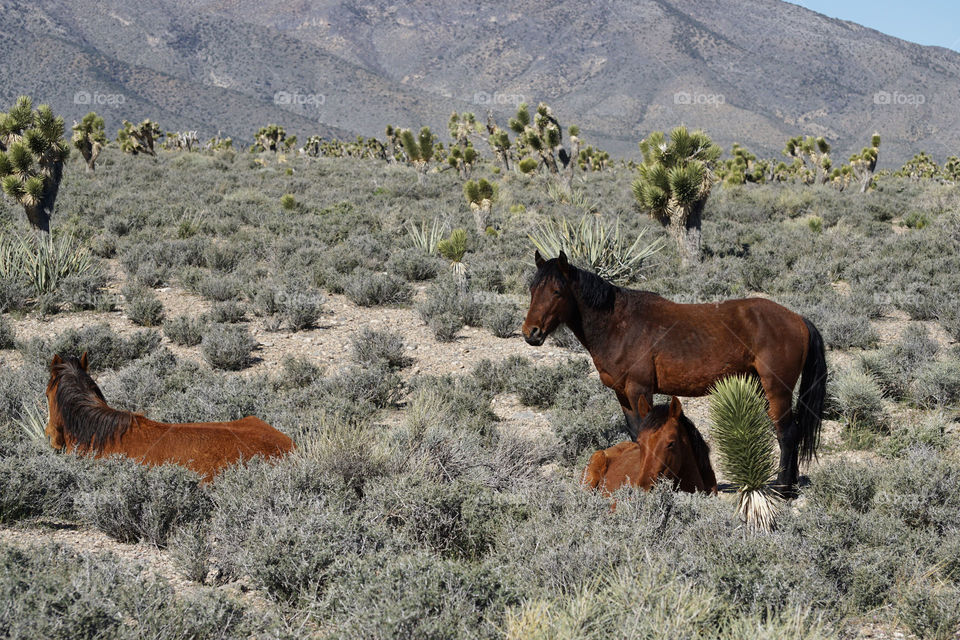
x=556 y=293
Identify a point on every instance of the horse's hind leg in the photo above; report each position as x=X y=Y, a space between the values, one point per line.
x=780 y=400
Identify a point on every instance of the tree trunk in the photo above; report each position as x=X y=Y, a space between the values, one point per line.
x=39 y=214
x=686 y=232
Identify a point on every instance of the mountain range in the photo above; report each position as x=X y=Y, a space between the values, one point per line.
x=750 y=71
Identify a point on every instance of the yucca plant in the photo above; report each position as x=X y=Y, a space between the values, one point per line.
x=453 y=249
x=480 y=196
x=426 y=237
x=744 y=436
x=864 y=164
x=563 y=193
x=89 y=138
x=42 y=263
x=32 y=154
x=592 y=244
x=675 y=181
x=33 y=422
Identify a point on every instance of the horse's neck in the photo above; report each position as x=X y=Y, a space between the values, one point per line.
x=591 y=326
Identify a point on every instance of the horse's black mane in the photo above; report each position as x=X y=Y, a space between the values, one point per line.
x=83 y=409
x=659 y=414
x=594 y=291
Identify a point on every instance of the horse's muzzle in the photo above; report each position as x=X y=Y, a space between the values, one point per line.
x=534 y=336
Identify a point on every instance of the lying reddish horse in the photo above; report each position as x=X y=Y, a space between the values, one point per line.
x=668 y=446
x=80 y=420
x=643 y=344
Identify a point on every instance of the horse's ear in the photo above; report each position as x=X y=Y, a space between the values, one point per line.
x=643 y=407
x=538 y=259
x=83 y=361
x=562 y=263
x=675 y=407
x=57 y=360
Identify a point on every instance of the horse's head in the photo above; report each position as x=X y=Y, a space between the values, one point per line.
x=551 y=298
x=670 y=452
x=61 y=367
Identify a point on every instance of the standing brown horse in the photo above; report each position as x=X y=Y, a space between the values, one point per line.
x=643 y=344
x=80 y=420
x=668 y=446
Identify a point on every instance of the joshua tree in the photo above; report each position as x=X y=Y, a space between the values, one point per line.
x=32 y=154
x=312 y=147
x=419 y=150
x=89 y=138
x=181 y=140
x=217 y=143
x=863 y=164
x=816 y=152
x=742 y=167
x=540 y=135
x=453 y=249
x=744 y=437
x=919 y=167
x=141 y=138
x=480 y=196
x=270 y=138
x=499 y=141
x=591 y=159
x=394 y=144
x=674 y=183
x=841 y=177
x=951 y=169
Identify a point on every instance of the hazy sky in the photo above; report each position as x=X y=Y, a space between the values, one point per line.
x=923 y=21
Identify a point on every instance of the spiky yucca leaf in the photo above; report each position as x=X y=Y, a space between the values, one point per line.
x=427 y=238
x=743 y=433
x=33 y=422
x=454 y=247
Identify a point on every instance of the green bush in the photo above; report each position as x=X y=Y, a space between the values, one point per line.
x=369 y=289
x=383 y=348
x=131 y=502
x=186 y=331
x=143 y=308
x=228 y=347
x=7 y=334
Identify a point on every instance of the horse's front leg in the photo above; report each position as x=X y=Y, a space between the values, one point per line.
x=631 y=415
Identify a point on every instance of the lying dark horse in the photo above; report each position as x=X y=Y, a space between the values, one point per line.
x=643 y=344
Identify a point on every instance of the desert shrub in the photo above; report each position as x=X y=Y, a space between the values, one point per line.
x=937 y=384
x=369 y=289
x=447 y=307
x=842 y=327
x=297 y=371
x=920 y=491
x=417 y=595
x=929 y=608
x=928 y=431
x=7 y=334
x=386 y=348
x=859 y=399
x=222 y=257
x=190 y=548
x=896 y=365
x=85 y=291
x=50 y=592
x=35 y=482
x=414 y=265
x=186 y=331
x=227 y=312
x=288 y=202
x=219 y=287
x=107 y=349
x=228 y=347
x=841 y=486
x=132 y=502
x=587 y=418
x=143 y=307
x=541 y=386
x=14 y=295
x=502 y=320
x=301 y=311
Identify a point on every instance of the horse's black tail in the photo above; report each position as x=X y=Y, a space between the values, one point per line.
x=813 y=392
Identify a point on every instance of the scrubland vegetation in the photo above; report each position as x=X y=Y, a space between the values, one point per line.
x=408 y=509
